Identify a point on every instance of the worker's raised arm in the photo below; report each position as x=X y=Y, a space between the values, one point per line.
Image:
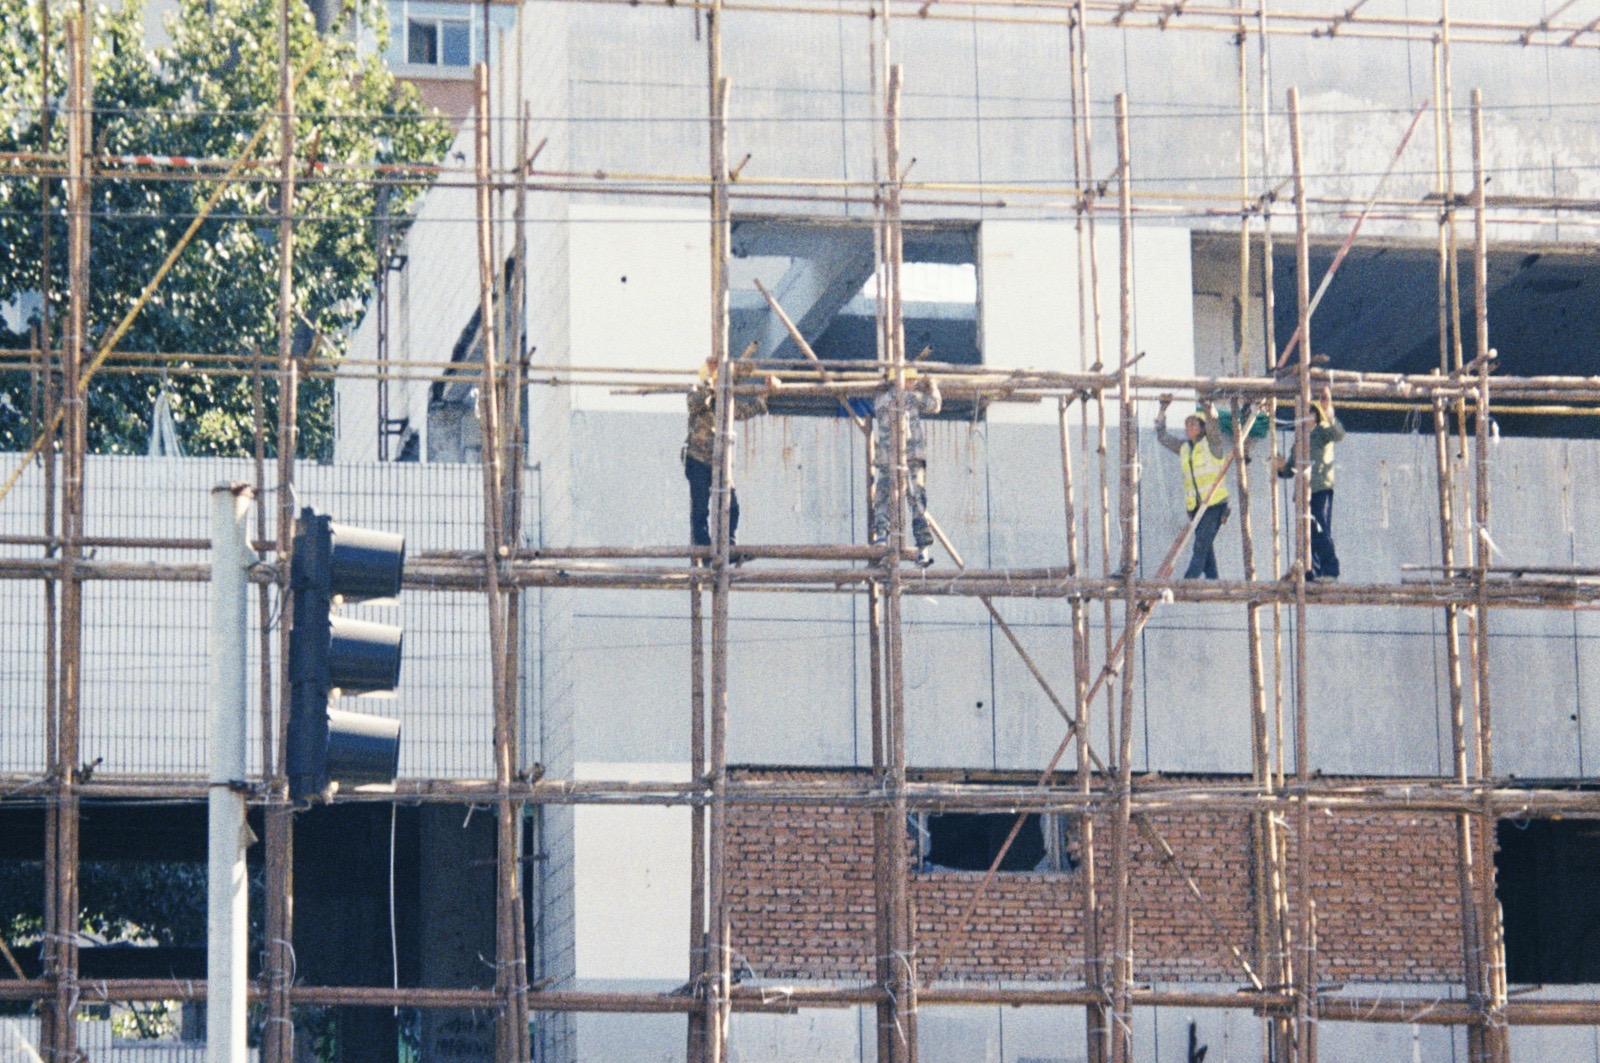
x=1214 y=437
x=1172 y=442
x=748 y=406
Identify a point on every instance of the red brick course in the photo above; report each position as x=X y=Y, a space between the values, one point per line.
x=800 y=888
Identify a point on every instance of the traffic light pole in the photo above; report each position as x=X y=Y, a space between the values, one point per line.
x=227 y=908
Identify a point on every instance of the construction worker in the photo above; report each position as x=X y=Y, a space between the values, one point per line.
x=698 y=448
x=1202 y=452
x=1324 y=434
x=920 y=396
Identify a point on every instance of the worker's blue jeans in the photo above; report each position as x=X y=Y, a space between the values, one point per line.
x=1324 y=559
x=1203 y=562
x=698 y=473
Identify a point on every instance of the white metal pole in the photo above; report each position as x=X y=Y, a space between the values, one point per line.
x=227 y=912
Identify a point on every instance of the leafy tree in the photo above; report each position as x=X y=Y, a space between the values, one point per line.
x=204 y=96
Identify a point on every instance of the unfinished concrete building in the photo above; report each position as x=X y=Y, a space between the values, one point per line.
x=792 y=797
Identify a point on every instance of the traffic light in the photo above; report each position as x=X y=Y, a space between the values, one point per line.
x=331 y=656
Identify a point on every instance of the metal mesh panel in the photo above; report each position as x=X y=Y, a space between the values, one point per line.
x=145 y=666
x=22 y=632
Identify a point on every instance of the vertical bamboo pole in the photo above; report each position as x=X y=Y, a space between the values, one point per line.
x=1093 y=969
x=701 y=1026
x=258 y=444
x=515 y=466
x=1305 y=1003
x=1269 y=345
x=1270 y=908
x=1262 y=906
x=1453 y=254
x=718 y=1005
x=511 y=1029
x=62 y=843
x=1088 y=242
x=1242 y=314
x=881 y=823
x=50 y=396
x=1121 y=902
x=1491 y=932
x=1466 y=844
x=279 y=1033
x=696 y=1034
x=902 y=983
x=1094 y=1014
x=887 y=1019
x=697 y=817
x=47 y=341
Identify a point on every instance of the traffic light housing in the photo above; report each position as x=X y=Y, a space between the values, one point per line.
x=331 y=656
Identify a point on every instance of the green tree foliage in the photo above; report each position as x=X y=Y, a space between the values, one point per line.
x=204 y=96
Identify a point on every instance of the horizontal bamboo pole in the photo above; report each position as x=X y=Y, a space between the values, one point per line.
x=1508 y=590
x=790 y=997
x=1152 y=795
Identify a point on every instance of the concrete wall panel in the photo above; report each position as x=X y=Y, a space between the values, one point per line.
x=645 y=277
x=631 y=880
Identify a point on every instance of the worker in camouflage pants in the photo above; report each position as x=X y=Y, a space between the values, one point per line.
x=1324 y=434
x=921 y=396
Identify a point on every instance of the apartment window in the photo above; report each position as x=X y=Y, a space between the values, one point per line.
x=969 y=841
x=1548 y=877
x=438 y=41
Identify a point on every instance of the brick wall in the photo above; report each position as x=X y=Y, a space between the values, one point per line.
x=800 y=885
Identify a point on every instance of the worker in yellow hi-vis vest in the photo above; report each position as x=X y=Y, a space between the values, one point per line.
x=1202 y=452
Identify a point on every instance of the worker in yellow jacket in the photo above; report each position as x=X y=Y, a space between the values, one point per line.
x=1203 y=453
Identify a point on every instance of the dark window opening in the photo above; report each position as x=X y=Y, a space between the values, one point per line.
x=1548 y=877
x=439 y=42
x=969 y=841
x=1381 y=315
x=422 y=43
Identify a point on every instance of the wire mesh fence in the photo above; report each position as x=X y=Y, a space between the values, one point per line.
x=145 y=651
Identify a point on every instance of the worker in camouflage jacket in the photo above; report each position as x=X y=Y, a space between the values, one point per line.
x=699 y=448
x=919 y=397
x=1324 y=434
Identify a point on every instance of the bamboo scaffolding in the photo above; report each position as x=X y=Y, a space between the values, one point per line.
x=1282 y=969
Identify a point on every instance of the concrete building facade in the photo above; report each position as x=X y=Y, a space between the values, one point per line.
x=624 y=281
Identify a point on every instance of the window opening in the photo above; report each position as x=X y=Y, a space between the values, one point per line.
x=1548 y=874
x=438 y=42
x=824 y=276
x=1380 y=315
x=969 y=841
